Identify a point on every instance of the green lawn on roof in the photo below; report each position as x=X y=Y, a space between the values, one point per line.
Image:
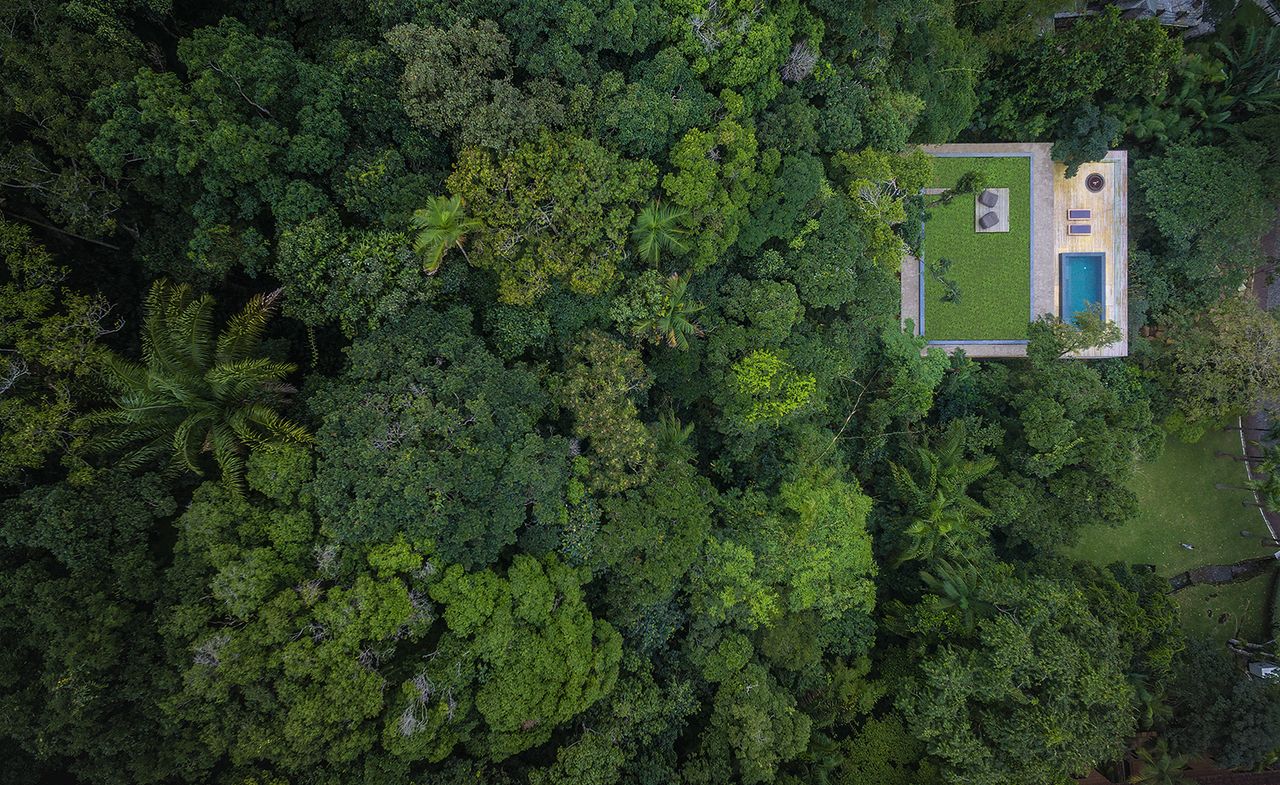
x=992 y=269
x=1179 y=503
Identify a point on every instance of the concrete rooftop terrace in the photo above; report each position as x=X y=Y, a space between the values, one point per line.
x=1052 y=194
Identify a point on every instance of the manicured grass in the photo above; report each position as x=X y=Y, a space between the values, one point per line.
x=1178 y=503
x=993 y=269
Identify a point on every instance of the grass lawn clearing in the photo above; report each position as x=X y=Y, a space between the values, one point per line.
x=993 y=269
x=1177 y=503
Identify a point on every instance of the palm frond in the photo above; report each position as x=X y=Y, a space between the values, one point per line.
x=124 y=374
x=195 y=325
x=188 y=441
x=659 y=228
x=243 y=377
x=227 y=451
x=259 y=424
x=441 y=225
x=244 y=330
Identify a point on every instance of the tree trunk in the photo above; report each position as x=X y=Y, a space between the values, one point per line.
x=1222 y=486
x=1234 y=457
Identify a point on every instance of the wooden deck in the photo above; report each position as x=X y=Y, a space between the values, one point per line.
x=1110 y=235
x=1052 y=195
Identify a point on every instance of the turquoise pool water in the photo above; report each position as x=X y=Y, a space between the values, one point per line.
x=1083 y=280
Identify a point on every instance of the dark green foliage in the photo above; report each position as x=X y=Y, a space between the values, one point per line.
x=625 y=469
x=426 y=434
x=1040 y=89
x=793 y=197
x=663 y=100
x=628 y=737
x=839 y=124
x=1220 y=711
x=945 y=64
x=459 y=80
x=82 y=661
x=242 y=137
x=53 y=56
x=196 y=392
x=1202 y=211
x=1086 y=138
x=603 y=381
x=650 y=537
x=1036 y=693
x=360 y=279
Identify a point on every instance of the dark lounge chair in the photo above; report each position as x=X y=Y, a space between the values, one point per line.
x=988 y=198
x=988 y=220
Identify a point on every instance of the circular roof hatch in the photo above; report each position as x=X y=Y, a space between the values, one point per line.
x=1094 y=182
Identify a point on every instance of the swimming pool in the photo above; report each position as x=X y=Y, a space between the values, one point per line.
x=1082 y=283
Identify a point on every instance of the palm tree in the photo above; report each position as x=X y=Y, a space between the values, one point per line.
x=1251 y=70
x=957 y=585
x=672 y=438
x=658 y=228
x=1148 y=701
x=673 y=323
x=936 y=498
x=1266 y=487
x=195 y=393
x=1161 y=768
x=441 y=225
x=957 y=588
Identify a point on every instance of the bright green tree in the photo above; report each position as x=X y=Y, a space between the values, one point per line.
x=520 y=656
x=767 y=388
x=441 y=226
x=554 y=210
x=659 y=228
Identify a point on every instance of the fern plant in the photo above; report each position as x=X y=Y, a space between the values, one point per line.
x=196 y=393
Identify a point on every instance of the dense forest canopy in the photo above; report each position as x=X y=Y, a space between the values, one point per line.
x=513 y=391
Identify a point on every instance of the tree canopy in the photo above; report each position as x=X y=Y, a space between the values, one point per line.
x=517 y=392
